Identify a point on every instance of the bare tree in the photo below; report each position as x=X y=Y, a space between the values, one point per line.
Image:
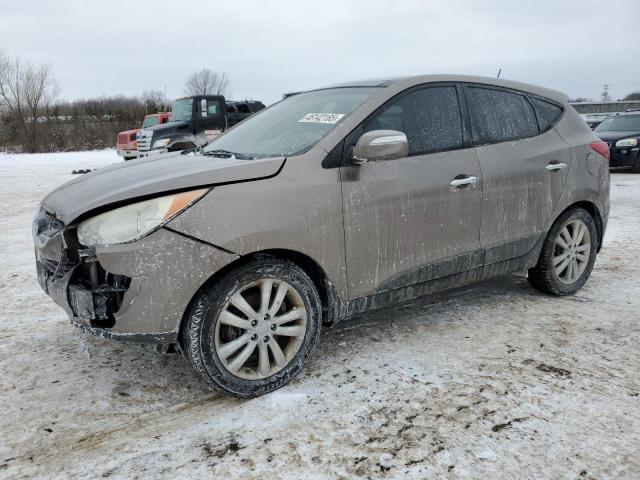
x=632 y=96
x=207 y=82
x=154 y=101
x=27 y=93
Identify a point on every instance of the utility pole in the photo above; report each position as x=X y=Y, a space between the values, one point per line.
x=605 y=93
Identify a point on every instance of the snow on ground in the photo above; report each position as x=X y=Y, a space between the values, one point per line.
x=490 y=381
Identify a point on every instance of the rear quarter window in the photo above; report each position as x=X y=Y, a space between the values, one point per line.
x=500 y=116
x=548 y=113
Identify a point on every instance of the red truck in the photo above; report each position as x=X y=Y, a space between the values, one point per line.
x=126 y=141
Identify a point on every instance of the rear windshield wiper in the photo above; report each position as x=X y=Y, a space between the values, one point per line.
x=227 y=154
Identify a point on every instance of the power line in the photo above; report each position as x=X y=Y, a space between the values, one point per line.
x=600 y=85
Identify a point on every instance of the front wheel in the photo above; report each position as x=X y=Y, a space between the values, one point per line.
x=253 y=330
x=568 y=254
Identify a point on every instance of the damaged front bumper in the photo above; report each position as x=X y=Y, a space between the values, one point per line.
x=135 y=292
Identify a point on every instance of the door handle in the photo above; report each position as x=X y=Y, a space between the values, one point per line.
x=552 y=167
x=461 y=182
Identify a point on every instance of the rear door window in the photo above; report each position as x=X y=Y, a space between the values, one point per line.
x=430 y=117
x=548 y=113
x=499 y=116
x=213 y=107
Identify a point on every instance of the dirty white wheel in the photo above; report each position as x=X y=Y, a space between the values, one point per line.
x=252 y=330
x=260 y=329
x=572 y=251
x=568 y=254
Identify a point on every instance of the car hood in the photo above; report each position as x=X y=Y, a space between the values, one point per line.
x=614 y=135
x=136 y=179
x=167 y=127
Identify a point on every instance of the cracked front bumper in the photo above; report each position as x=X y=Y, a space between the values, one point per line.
x=161 y=272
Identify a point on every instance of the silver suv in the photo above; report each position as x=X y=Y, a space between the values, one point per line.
x=327 y=204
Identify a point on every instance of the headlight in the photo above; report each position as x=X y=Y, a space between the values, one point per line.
x=627 y=142
x=161 y=143
x=134 y=221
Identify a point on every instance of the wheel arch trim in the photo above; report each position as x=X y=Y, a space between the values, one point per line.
x=329 y=297
x=594 y=211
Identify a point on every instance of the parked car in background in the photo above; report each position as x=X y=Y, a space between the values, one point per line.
x=126 y=144
x=196 y=120
x=594 y=119
x=621 y=132
x=327 y=204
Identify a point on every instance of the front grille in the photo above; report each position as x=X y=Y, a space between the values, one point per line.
x=51 y=251
x=93 y=294
x=47 y=225
x=144 y=140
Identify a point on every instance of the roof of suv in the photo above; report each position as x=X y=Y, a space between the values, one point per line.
x=416 y=80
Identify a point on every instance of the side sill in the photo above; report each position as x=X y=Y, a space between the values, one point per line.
x=387 y=298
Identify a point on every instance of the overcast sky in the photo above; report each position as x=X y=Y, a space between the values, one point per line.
x=98 y=47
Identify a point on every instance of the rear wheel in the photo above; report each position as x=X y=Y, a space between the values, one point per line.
x=254 y=329
x=568 y=254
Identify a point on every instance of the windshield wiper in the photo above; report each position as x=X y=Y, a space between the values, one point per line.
x=227 y=154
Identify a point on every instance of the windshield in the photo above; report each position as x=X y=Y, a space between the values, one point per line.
x=150 y=121
x=182 y=110
x=293 y=125
x=620 y=123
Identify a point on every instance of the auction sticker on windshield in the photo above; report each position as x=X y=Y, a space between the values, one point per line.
x=321 y=118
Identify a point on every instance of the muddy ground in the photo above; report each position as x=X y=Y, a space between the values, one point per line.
x=490 y=381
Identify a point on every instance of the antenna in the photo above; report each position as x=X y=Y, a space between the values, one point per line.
x=499 y=72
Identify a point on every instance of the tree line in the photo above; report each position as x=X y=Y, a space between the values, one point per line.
x=32 y=119
x=85 y=124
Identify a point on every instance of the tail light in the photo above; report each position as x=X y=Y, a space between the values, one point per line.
x=602 y=148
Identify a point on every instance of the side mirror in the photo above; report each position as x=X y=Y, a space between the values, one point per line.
x=203 y=107
x=380 y=145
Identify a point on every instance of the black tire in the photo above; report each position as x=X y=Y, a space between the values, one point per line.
x=199 y=330
x=543 y=276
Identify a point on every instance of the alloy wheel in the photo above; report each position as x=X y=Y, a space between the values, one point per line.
x=572 y=250
x=260 y=329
